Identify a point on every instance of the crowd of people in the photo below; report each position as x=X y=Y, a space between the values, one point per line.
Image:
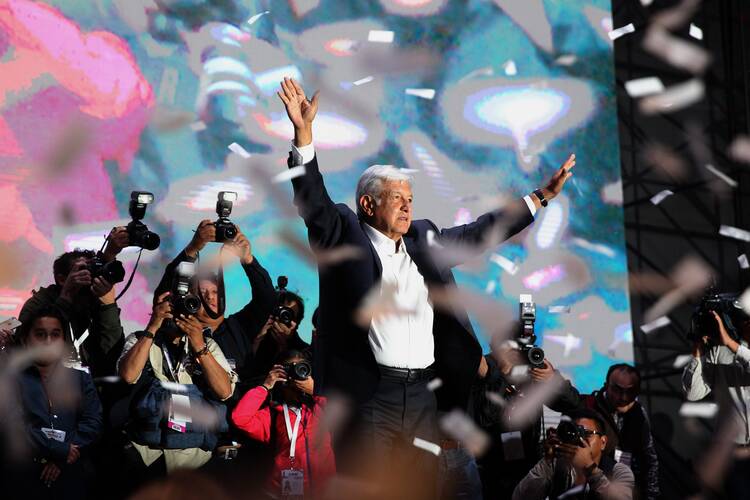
x=243 y=398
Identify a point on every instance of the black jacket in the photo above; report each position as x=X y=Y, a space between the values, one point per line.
x=349 y=365
x=236 y=333
x=81 y=422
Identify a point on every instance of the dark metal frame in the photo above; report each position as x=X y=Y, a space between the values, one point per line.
x=687 y=222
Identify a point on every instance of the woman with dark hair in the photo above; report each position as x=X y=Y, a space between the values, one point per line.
x=61 y=413
x=284 y=413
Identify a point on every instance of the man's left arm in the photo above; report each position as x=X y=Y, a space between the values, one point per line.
x=618 y=487
x=90 y=421
x=497 y=226
x=255 y=313
x=107 y=338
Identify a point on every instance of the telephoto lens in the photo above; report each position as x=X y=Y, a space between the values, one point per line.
x=113 y=271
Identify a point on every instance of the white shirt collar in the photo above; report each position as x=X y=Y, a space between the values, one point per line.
x=382 y=243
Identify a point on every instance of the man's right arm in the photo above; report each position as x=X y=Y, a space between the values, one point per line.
x=694 y=383
x=322 y=218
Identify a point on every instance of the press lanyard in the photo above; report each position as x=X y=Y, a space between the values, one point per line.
x=292 y=434
x=168 y=358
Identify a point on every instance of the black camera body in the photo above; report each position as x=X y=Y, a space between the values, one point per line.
x=112 y=271
x=569 y=432
x=727 y=306
x=301 y=370
x=225 y=229
x=527 y=337
x=285 y=315
x=183 y=300
x=138 y=233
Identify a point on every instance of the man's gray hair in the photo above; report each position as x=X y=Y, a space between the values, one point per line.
x=371 y=182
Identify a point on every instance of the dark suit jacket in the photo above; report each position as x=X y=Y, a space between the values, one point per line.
x=346 y=362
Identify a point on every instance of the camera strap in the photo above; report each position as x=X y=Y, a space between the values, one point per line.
x=132 y=275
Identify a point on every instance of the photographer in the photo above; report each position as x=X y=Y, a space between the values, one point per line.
x=182 y=355
x=575 y=465
x=284 y=413
x=514 y=450
x=86 y=303
x=720 y=365
x=279 y=333
x=236 y=332
x=61 y=412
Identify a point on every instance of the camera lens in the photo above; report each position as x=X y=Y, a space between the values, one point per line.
x=191 y=303
x=536 y=356
x=302 y=370
x=150 y=240
x=230 y=232
x=113 y=272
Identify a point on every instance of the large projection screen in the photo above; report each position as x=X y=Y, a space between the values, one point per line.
x=481 y=99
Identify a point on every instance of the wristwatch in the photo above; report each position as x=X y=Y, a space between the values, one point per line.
x=144 y=333
x=539 y=194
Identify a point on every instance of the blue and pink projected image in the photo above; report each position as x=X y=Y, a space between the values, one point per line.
x=480 y=100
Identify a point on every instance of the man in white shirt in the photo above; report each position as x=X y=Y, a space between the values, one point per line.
x=384 y=367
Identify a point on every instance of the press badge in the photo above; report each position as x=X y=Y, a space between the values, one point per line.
x=178 y=413
x=292 y=482
x=623 y=457
x=54 y=434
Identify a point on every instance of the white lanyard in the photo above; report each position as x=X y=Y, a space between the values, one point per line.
x=289 y=432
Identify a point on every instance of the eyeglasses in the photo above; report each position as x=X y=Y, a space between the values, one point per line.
x=588 y=433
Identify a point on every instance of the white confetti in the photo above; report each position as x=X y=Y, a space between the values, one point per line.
x=510 y=68
x=676 y=51
x=699 y=410
x=566 y=60
x=673 y=98
x=427 y=446
x=364 y=80
x=256 y=17
x=434 y=384
x=174 y=387
x=289 y=174
x=641 y=87
x=506 y=264
x=409 y=170
x=660 y=196
x=238 y=150
x=734 y=232
x=490 y=287
x=676 y=17
x=739 y=150
x=617 y=33
x=379 y=36
x=742 y=259
x=721 y=175
x=745 y=301
x=696 y=32
x=423 y=93
x=558 y=309
x=594 y=247
x=111 y=379
x=523 y=410
x=655 y=324
x=462 y=428
x=681 y=361
x=198 y=126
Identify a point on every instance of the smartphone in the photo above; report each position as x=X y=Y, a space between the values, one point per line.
x=10 y=324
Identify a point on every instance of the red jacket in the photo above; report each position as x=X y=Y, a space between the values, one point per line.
x=264 y=421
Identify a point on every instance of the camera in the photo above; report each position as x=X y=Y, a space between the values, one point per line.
x=727 y=306
x=285 y=315
x=527 y=338
x=138 y=233
x=183 y=301
x=225 y=229
x=113 y=271
x=569 y=432
x=300 y=370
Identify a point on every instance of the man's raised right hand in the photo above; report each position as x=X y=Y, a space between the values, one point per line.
x=300 y=110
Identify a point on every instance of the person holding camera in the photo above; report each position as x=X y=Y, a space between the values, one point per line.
x=284 y=413
x=720 y=365
x=87 y=302
x=234 y=333
x=575 y=465
x=61 y=413
x=279 y=333
x=173 y=348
